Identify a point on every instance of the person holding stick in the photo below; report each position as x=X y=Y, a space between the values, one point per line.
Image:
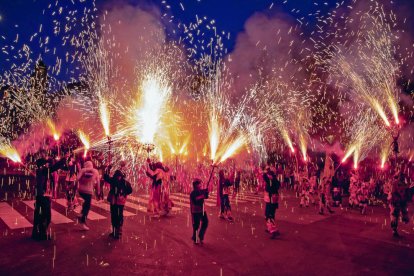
x=198 y=213
x=120 y=189
x=43 y=212
x=88 y=178
x=271 y=198
x=156 y=172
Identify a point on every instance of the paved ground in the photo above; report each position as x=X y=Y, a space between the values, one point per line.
x=345 y=243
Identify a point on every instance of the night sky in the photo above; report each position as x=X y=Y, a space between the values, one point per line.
x=23 y=17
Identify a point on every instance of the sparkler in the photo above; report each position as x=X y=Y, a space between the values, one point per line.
x=303 y=146
x=380 y=111
x=156 y=92
x=275 y=103
x=287 y=139
x=56 y=135
x=214 y=134
x=383 y=160
x=356 y=156
x=232 y=148
x=104 y=115
x=53 y=130
x=349 y=153
x=85 y=141
x=10 y=152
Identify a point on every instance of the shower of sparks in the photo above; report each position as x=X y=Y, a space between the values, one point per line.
x=156 y=92
x=104 y=115
x=85 y=141
x=53 y=129
x=214 y=134
x=302 y=142
x=232 y=148
x=10 y=152
x=384 y=157
x=349 y=152
x=346 y=92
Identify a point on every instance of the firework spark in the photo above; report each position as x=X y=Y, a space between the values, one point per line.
x=10 y=152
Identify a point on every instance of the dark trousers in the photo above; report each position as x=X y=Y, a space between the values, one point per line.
x=236 y=187
x=101 y=193
x=86 y=206
x=42 y=217
x=270 y=210
x=197 y=218
x=70 y=191
x=226 y=203
x=221 y=204
x=117 y=215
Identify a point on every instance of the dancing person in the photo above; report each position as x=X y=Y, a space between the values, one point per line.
x=224 y=191
x=220 y=184
x=237 y=183
x=271 y=199
x=313 y=192
x=88 y=178
x=72 y=168
x=353 y=189
x=258 y=172
x=166 y=202
x=226 y=199
x=43 y=212
x=324 y=195
x=98 y=164
x=398 y=200
x=117 y=196
x=279 y=173
x=304 y=193
x=156 y=172
x=362 y=197
x=55 y=178
x=198 y=213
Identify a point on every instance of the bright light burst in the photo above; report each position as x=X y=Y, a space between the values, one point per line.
x=348 y=153
x=53 y=129
x=214 y=135
x=156 y=93
x=104 y=115
x=232 y=148
x=10 y=152
x=85 y=141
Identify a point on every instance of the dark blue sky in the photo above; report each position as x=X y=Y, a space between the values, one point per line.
x=229 y=15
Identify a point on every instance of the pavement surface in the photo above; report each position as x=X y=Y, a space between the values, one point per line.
x=343 y=243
